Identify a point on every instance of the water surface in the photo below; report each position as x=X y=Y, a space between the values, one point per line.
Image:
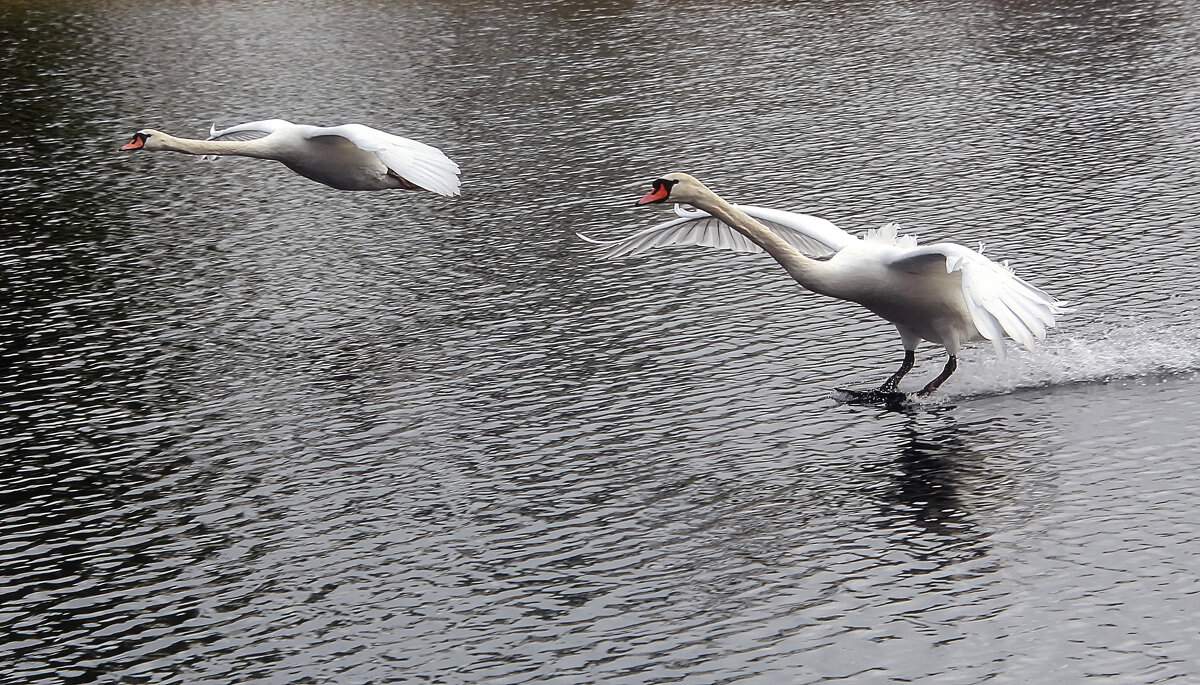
x=257 y=430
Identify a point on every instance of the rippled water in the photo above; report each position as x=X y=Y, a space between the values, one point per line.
x=257 y=430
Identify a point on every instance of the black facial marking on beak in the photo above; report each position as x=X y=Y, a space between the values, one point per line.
x=139 y=141
x=662 y=190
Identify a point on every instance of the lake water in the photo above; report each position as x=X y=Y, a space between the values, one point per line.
x=256 y=430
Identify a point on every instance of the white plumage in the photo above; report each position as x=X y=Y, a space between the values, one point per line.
x=346 y=157
x=943 y=292
x=811 y=235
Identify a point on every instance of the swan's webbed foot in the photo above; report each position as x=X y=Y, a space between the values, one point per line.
x=879 y=396
x=889 y=395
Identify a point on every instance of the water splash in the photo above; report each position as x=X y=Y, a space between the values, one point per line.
x=1129 y=352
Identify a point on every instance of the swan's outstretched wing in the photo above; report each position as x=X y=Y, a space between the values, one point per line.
x=251 y=130
x=811 y=235
x=1000 y=303
x=417 y=163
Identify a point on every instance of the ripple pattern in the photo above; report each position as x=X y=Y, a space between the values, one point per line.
x=256 y=430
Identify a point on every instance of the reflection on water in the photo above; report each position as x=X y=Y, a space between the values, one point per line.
x=929 y=481
x=257 y=430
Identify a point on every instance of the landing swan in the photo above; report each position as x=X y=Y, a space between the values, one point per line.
x=346 y=157
x=944 y=293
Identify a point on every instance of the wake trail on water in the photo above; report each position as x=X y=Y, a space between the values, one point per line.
x=1124 y=353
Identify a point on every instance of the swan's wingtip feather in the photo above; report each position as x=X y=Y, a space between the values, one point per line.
x=591 y=240
x=687 y=213
x=1000 y=347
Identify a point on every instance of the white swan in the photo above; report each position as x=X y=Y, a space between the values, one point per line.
x=944 y=293
x=346 y=157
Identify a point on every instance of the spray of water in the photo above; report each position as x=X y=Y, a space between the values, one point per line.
x=1135 y=351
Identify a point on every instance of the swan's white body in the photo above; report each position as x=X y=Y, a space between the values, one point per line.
x=346 y=157
x=944 y=293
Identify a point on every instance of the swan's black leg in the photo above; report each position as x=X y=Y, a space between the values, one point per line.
x=951 y=365
x=887 y=394
x=891 y=384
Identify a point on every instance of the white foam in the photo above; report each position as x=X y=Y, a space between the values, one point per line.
x=1140 y=350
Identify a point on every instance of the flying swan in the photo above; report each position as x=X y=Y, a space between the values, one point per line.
x=944 y=293
x=346 y=157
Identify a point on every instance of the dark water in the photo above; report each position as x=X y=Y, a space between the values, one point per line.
x=257 y=430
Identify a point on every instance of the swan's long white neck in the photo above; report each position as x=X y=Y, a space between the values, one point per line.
x=810 y=273
x=191 y=146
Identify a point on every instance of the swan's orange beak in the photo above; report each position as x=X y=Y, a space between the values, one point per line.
x=660 y=193
x=138 y=141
